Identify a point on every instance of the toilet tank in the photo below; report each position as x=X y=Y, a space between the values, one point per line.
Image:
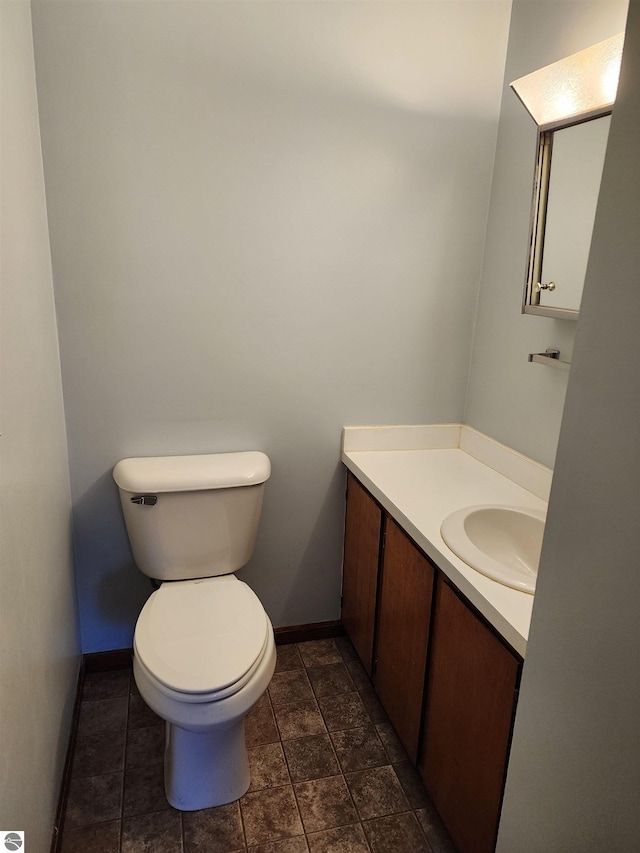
x=192 y=516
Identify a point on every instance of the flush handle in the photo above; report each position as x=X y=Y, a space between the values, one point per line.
x=145 y=500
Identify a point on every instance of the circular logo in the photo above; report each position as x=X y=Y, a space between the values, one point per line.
x=12 y=841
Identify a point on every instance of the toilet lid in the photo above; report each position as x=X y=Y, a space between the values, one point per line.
x=201 y=636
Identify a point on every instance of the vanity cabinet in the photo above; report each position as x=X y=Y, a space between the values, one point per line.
x=402 y=636
x=363 y=527
x=446 y=680
x=470 y=703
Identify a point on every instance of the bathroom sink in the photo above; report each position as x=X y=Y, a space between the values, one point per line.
x=501 y=542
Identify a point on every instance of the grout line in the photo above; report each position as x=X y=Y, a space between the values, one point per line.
x=244 y=831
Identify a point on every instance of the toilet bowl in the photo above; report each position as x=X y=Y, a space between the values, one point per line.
x=204 y=650
x=225 y=670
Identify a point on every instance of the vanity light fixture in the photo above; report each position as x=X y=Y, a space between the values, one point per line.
x=575 y=88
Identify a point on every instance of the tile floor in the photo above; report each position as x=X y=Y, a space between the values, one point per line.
x=328 y=774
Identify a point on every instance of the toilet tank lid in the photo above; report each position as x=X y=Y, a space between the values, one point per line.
x=192 y=473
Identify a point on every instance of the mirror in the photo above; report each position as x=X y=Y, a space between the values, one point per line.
x=571 y=102
x=568 y=173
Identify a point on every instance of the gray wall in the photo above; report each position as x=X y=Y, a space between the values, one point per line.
x=39 y=656
x=574 y=774
x=512 y=400
x=267 y=221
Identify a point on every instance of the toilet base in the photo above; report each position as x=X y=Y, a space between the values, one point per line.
x=205 y=769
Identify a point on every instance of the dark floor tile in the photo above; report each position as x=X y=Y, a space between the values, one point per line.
x=343 y=839
x=373 y=706
x=325 y=804
x=270 y=818
x=98 y=754
x=287 y=845
x=160 y=832
x=330 y=680
x=358 y=749
x=291 y=686
x=299 y=719
x=377 y=792
x=288 y=657
x=344 y=646
x=345 y=711
x=144 y=790
x=397 y=833
x=391 y=742
x=263 y=702
x=359 y=675
x=270 y=815
x=268 y=767
x=310 y=758
x=412 y=784
x=94 y=800
x=260 y=724
x=106 y=685
x=102 y=715
x=216 y=830
x=145 y=746
x=319 y=652
x=140 y=714
x=99 y=838
x=435 y=830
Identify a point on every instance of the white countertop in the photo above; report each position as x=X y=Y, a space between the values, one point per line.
x=420 y=487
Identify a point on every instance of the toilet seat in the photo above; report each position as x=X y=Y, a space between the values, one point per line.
x=202 y=640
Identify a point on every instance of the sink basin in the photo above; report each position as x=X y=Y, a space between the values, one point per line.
x=501 y=542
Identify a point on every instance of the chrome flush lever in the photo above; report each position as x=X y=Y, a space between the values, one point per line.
x=145 y=500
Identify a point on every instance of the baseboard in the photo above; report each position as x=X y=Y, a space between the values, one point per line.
x=121 y=658
x=312 y=631
x=103 y=661
x=58 y=826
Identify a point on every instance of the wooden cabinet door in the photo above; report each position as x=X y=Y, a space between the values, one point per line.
x=360 y=569
x=471 y=694
x=404 y=611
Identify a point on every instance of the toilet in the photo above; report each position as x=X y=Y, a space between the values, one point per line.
x=203 y=647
